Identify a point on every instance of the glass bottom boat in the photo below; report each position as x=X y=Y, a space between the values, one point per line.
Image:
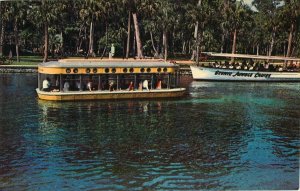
x=92 y=79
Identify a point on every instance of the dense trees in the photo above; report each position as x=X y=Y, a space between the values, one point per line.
x=147 y=28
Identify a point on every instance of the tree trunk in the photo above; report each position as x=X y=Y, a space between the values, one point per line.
x=184 y=47
x=196 y=36
x=106 y=40
x=2 y=35
x=128 y=35
x=234 y=44
x=153 y=46
x=91 y=43
x=223 y=41
x=272 y=42
x=290 y=40
x=165 y=44
x=195 y=41
x=79 y=41
x=46 y=41
x=139 y=45
x=16 y=39
x=62 y=49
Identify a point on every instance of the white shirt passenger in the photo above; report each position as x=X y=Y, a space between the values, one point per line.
x=66 y=86
x=46 y=84
x=145 y=84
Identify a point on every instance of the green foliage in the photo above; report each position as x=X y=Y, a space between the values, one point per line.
x=69 y=25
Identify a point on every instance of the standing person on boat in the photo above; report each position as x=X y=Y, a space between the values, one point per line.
x=145 y=85
x=46 y=85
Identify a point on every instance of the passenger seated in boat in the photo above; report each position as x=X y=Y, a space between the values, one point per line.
x=46 y=85
x=226 y=64
x=130 y=87
x=89 y=86
x=237 y=66
x=251 y=67
x=261 y=67
x=111 y=85
x=140 y=86
x=77 y=84
x=271 y=67
x=145 y=84
x=158 y=85
x=66 y=86
x=291 y=67
x=266 y=65
x=223 y=65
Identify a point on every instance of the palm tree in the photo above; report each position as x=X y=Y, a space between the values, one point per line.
x=3 y=20
x=268 y=11
x=292 y=11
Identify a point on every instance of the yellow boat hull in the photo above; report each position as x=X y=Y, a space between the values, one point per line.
x=106 y=95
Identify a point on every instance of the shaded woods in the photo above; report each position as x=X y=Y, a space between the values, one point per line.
x=148 y=28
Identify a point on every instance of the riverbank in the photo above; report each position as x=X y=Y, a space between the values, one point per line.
x=18 y=69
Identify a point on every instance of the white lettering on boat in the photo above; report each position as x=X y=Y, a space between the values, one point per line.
x=243 y=74
x=223 y=73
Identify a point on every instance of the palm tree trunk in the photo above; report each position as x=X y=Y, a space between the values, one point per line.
x=196 y=35
x=46 y=41
x=16 y=39
x=2 y=29
x=272 y=42
x=165 y=44
x=153 y=46
x=290 y=40
x=234 y=44
x=128 y=35
x=2 y=34
x=91 y=43
x=138 y=37
x=195 y=41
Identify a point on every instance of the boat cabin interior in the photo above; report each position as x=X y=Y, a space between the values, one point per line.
x=253 y=62
x=72 y=75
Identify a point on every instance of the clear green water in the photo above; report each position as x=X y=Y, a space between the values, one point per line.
x=221 y=136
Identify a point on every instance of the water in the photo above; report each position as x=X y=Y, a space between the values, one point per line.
x=221 y=136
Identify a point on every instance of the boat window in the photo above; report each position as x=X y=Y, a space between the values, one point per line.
x=68 y=70
x=148 y=70
x=113 y=70
x=158 y=69
x=106 y=70
x=75 y=70
x=131 y=70
x=125 y=70
x=165 y=70
x=95 y=70
x=142 y=70
x=88 y=70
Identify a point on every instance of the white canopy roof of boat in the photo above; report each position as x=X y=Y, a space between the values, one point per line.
x=249 y=56
x=94 y=63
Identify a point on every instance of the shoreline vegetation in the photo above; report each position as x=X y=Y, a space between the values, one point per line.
x=36 y=31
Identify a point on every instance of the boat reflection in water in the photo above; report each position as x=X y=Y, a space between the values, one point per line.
x=132 y=137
